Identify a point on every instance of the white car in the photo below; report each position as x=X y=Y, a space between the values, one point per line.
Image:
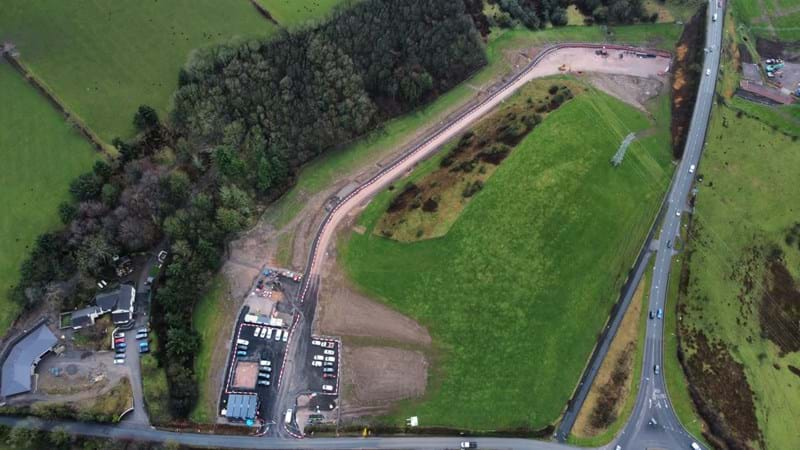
x=263 y=332
x=285 y=336
x=695 y=446
x=256 y=331
x=329 y=344
x=265 y=363
x=327 y=388
x=316 y=342
x=269 y=332
x=330 y=359
x=691 y=168
x=678 y=213
x=329 y=352
x=119 y=360
x=708 y=72
x=319 y=358
x=316 y=363
x=278 y=333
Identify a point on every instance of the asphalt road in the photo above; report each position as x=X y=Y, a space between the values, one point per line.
x=652 y=403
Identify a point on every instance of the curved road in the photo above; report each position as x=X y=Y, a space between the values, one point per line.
x=652 y=402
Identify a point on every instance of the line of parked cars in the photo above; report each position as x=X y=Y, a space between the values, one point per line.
x=326 y=361
x=265 y=332
x=264 y=372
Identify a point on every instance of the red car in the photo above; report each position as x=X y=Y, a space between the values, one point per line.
x=119 y=340
x=328 y=375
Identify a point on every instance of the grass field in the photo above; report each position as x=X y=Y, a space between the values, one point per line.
x=41 y=154
x=325 y=170
x=104 y=58
x=764 y=17
x=526 y=270
x=751 y=173
x=290 y=13
x=208 y=323
x=154 y=386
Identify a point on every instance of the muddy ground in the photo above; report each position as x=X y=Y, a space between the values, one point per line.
x=687 y=73
x=612 y=386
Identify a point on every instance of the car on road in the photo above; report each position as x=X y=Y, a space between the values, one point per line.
x=691 y=168
x=660 y=313
x=657 y=369
x=469 y=444
x=330 y=358
x=319 y=358
x=678 y=213
x=652 y=314
x=316 y=363
x=695 y=446
x=327 y=388
x=119 y=360
x=708 y=72
x=618 y=447
x=329 y=352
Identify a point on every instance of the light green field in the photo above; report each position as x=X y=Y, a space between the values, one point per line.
x=524 y=279
x=754 y=172
x=41 y=154
x=782 y=15
x=207 y=321
x=325 y=170
x=104 y=58
x=290 y=13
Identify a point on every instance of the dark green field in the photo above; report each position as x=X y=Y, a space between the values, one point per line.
x=516 y=292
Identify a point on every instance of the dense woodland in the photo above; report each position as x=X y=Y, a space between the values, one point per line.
x=246 y=117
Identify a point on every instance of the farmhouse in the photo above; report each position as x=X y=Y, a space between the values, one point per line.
x=119 y=303
x=25 y=354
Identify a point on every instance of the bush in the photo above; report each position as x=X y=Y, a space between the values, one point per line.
x=430 y=205
x=472 y=188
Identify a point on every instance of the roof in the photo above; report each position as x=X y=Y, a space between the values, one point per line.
x=120 y=317
x=241 y=406
x=106 y=301
x=85 y=313
x=125 y=298
x=16 y=372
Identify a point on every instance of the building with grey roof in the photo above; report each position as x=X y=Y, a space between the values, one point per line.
x=241 y=406
x=20 y=363
x=119 y=303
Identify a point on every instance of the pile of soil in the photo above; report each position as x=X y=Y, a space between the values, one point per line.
x=688 y=70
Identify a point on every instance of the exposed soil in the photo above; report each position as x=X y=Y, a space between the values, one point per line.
x=779 y=312
x=794 y=370
x=342 y=311
x=375 y=377
x=788 y=51
x=688 y=68
x=613 y=383
x=635 y=91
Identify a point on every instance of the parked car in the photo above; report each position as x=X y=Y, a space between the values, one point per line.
x=143 y=330
x=316 y=363
x=278 y=333
x=660 y=313
x=119 y=350
x=316 y=342
x=144 y=347
x=241 y=353
x=469 y=444
x=328 y=370
x=285 y=336
x=264 y=376
x=265 y=369
x=119 y=340
x=327 y=388
x=241 y=347
x=121 y=345
x=264 y=332
x=265 y=362
x=269 y=332
x=328 y=375
x=263 y=382
x=328 y=364
x=329 y=352
x=329 y=344
x=330 y=358
x=256 y=332
x=318 y=358
x=119 y=334
x=141 y=336
x=162 y=256
x=119 y=360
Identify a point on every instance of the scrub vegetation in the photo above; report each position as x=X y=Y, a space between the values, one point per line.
x=739 y=301
x=41 y=154
x=107 y=57
x=290 y=13
x=539 y=252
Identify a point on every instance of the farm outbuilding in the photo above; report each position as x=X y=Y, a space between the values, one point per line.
x=25 y=354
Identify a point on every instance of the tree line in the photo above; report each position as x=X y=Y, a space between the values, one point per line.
x=246 y=117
